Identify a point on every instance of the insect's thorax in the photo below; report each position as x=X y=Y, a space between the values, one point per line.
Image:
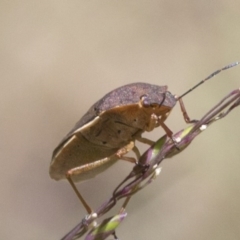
x=115 y=128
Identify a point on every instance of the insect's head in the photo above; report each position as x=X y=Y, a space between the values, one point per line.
x=165 y=99
x=159 y=104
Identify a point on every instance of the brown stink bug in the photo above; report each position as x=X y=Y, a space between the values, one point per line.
x=109 y=130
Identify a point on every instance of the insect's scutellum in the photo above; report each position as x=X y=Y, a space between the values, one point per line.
x=207 y=78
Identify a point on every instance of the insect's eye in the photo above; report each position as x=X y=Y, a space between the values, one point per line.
x=145 y=101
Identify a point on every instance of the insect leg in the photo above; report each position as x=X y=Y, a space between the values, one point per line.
x=153 y=123
x=185 y=115
x=122 y=210
x=129 y=159
x=82 y=169
x=184 y=112
x=145 y=140
x=167 y=130
x=82 y=200
x=137 y=152
x=125 y=150
x=164 y=126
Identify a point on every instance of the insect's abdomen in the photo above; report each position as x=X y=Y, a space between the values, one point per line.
x=75 y=152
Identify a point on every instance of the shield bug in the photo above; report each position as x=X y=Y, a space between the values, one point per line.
x=110 y=128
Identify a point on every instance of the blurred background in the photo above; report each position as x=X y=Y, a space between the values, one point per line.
x=59 y=57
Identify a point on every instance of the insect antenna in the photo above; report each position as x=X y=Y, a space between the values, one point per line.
x=207 y=78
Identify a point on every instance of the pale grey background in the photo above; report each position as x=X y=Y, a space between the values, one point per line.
x=59 y=57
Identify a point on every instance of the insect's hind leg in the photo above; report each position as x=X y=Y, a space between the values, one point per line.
x=82 y=200
x=81 y=169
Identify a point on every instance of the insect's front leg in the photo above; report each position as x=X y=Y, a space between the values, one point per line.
x=167 y=130
x=184 y=112
x=152 y=123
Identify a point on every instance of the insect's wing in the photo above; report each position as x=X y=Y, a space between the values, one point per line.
x=122 y=96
